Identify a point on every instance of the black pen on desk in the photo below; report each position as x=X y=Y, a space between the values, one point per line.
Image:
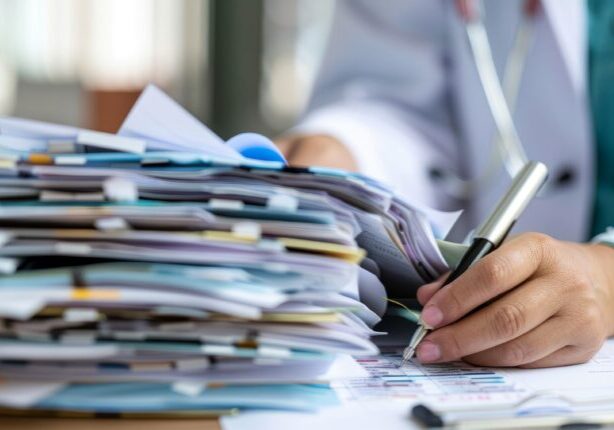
x=428 y=418
x=493 y=231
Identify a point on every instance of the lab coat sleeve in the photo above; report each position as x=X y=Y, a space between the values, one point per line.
x=382 y=90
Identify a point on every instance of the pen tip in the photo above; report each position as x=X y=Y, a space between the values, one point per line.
x=408 y=353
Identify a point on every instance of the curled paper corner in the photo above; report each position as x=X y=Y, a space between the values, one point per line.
x=256 y=146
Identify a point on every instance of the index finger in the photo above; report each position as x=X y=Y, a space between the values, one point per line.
x=502 y=270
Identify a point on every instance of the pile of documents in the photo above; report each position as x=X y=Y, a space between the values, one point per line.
x=162 y=270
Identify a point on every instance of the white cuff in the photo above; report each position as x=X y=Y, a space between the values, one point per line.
x=386 y=145
x=348 y=129
x=607 y=237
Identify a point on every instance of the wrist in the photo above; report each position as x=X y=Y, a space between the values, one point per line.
x=320 y=150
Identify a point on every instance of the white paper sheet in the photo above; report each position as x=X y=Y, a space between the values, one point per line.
x=58 y=352
x=356 y=416
x=157 y=117
x=27 y=128
x=368 y=404
x=23 y=394
x=442 y=384
x=594 y=379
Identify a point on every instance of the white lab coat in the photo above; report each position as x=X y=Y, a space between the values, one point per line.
x=399 y=87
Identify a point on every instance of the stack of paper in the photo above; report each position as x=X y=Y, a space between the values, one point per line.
x=142 y=270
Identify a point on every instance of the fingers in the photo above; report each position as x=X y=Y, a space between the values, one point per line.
x=565 y=356
x=319 y=150
x=511 y=316
x=510 y=265
x=426 y=291
x=543 y=309
x=582 y=345
x=285 y=145
x=553 y=335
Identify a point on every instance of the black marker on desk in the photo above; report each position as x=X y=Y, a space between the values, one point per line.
x=427 y=418
x=492 y=232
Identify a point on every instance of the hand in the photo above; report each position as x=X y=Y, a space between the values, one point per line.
x=317 y=150
x=548 y=303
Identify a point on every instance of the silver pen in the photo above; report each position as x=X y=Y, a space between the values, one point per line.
x=493 y=231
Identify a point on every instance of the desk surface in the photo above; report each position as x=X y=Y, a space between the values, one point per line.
x=105 y=424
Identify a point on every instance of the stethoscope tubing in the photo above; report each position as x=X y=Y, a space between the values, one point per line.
x=501 y=95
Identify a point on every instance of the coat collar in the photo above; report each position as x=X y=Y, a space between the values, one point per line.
x=568 y=19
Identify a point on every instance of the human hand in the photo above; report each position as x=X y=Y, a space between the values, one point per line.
x=316 y=150
x=547 y=303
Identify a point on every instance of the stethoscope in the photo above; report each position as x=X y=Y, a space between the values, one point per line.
x=501 y=95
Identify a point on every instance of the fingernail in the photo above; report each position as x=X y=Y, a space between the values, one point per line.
x=428 y=351
x=431 y=315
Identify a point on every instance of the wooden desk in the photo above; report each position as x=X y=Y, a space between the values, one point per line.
x=105 y=424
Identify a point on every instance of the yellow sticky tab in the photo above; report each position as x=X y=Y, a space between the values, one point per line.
x=7 y=163
x=87 y=294
x=225 y=236
x=348 y=253
x=40 y=159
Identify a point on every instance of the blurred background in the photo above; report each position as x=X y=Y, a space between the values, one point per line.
x=238 y=65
